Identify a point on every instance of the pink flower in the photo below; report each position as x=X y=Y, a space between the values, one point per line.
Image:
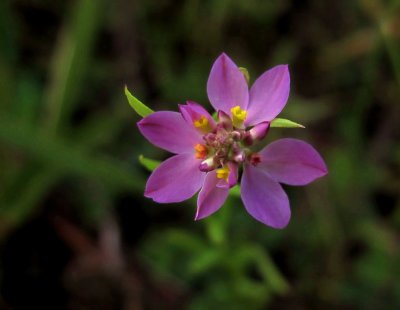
x=208 y=153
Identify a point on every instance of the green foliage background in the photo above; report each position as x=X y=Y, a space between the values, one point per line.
x=65 y=123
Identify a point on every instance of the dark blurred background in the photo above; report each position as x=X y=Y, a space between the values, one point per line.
x=75 y=229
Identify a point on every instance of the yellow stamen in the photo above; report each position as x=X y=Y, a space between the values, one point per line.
x=238 y=116
x=223 y=173
x=202 y=124
x=201 y=151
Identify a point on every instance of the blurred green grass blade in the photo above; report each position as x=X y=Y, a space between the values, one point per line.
x=8 y=48
x=139 y=107
x=8 y=55
x=22 y=207
x=217 y=225
x=285 y=123
x=270 y=271
x=71 y=61
x=215 y=228
x=254 y=254
x=388 y=30
x=149 y=164
x=235 y=191
x=67 y=157
x=182 y=239
x=28 y=99
x=204 y=262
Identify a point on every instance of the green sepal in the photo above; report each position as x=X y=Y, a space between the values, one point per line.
x=149 y=164
x=139 y=107
x=285 y=123
x=245 y=73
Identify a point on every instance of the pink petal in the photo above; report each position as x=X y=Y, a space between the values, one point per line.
x=264 y=198
x=192 y=111
x=292 y=162
x=176 y=179
x=268 y=95
x=211 y=197
x=226 y=86
x=168 y=130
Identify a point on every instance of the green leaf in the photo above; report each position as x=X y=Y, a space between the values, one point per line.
x=139 y=107
x=285 y=123
x=149 y=164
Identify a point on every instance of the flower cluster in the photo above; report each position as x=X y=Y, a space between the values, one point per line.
x=210 y=154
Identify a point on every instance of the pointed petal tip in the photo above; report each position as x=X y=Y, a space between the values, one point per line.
x=226 y=85
x=325 y=171
x=143 y=122
x=200 y=215
x=149 y=194
x=284 y=67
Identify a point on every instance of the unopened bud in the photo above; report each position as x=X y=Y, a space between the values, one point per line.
x=247 y=138
x=225 y=120
x=207 y=165
x=239 y=157
x=259 y=131
x=236 y=135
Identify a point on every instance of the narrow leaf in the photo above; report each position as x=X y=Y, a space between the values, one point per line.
x=285 y=123
x=149 y=164
x=139 y=107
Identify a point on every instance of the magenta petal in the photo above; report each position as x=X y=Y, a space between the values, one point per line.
x=176 y=179
x=226 y=86
x=168 y=130
x=211 y=197
x=268 y=95
x=292 y=162
x=264 y=198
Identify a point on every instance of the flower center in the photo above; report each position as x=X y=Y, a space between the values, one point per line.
x=228 y=142
x=221 y=146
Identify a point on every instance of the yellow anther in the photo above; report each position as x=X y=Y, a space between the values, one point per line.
x=238 y=116
x=202 y=124
x=223 y=173
x=201 y=151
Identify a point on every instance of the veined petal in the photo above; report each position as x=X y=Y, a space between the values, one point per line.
x=176 y=179
x=268 y=95
x=168 y=130
x=192 y=112
x=211 y=197
x=264 y=198
x=292 y=162
x=227 y=86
